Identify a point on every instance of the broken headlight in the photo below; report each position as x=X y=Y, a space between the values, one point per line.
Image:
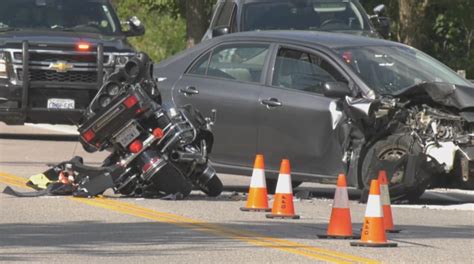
x=3 y=66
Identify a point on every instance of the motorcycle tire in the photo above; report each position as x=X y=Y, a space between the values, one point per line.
x=213 y=187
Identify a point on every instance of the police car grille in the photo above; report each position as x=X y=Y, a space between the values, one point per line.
x=53 y=76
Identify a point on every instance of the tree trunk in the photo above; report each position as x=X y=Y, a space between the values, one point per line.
x=412 y=21
x=196 y=21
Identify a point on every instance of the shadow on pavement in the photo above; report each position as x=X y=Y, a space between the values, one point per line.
x=40 y=137
x=430 y=197
x=90 y=238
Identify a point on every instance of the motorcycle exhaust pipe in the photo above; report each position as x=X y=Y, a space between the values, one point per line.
x=179 y=156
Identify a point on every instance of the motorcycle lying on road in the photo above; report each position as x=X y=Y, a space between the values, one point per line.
x=154 y=152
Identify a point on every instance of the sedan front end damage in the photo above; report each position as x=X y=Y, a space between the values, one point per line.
x=423 y=137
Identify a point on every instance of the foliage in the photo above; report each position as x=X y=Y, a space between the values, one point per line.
x=165 y=28
x=447 y=30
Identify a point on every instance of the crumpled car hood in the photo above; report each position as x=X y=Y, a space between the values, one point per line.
x=460 y=97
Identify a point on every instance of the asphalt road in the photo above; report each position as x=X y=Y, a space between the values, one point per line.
x=440 y=229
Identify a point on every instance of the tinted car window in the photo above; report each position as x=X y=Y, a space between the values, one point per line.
x=389 y=69
x=242 y=62
x=324 y=15
x=225 y=14
x=70 y=15
x=303 y=71
x=200 y=67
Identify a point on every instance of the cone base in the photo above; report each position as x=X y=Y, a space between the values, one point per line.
x=326 y=236
x=245 y=209
x=272 y=216
x=369 y=244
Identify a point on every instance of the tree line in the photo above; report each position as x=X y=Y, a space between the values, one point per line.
x=442 y=28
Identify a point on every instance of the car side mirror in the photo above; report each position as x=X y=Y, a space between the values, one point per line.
x=220 y=31
x=379 y=10
x=136 y=27
x=383 y=26
x=381 y=21
x=336 y=89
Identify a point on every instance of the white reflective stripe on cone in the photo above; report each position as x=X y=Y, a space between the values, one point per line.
x=258 y=179
x=284 y=184
x=374 y=207
x=385 y=194
x=341 y=199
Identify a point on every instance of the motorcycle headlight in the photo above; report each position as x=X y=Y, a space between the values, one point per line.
x=3 y=66
x=121 y=60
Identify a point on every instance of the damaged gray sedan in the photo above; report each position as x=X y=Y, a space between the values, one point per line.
x=330 y=103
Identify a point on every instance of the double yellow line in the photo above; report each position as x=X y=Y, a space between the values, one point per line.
x=214 y=229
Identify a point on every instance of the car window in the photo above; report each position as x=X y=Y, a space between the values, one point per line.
x=200 y=67
x=242 y=62
x=390 y=69
x=62 y=15
x=303 y=71
x=225 y=14
x=324 y=15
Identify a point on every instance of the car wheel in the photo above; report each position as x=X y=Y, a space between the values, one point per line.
x=393 y=149
x=272 y=183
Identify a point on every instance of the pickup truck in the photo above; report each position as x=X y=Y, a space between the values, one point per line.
x=54 y=55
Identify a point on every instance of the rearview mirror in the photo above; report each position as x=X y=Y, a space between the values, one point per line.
x=336 y=89
x=219 y=31
x=136 y=27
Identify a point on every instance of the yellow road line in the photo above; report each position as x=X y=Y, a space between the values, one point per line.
x=214 y=229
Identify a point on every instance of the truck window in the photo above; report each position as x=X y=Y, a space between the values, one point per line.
x=322 y=15
x=66 y=15
x=225 y=14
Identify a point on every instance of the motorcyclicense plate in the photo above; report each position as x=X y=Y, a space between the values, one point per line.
x=59 y=103
x=126 y=136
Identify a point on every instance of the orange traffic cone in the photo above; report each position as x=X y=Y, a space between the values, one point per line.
x=373 y=230
x=258 y=196
x=340 y=225
x=387 y=208
x=283 y=204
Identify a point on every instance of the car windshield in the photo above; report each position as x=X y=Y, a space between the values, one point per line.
x=321 y=15
x=68 y=15
x=390 y=69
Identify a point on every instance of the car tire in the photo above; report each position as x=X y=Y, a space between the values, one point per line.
x=393 y=148
x=272 y=183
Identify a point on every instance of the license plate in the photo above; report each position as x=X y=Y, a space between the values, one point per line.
x=128 y=135
x=57 y=103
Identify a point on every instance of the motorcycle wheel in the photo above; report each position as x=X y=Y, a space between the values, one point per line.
x=213 y=187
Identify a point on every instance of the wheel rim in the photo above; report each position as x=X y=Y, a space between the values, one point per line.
x=394 y=154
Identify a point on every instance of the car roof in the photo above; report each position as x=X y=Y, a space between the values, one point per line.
x=326 y=39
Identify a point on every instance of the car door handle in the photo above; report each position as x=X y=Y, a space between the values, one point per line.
x=271 y=102
x=188 y=91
